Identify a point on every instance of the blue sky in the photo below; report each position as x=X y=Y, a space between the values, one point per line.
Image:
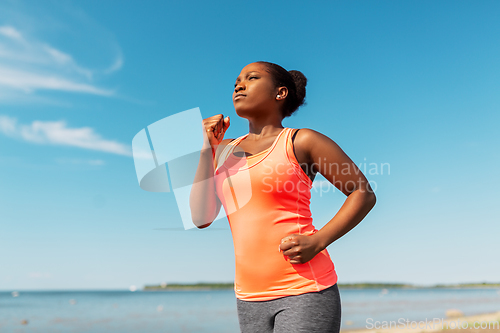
x=414 y=84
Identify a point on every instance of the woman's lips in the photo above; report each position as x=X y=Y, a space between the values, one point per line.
x=238 y=96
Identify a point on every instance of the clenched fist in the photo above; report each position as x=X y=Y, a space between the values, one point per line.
x=216 y=126
x=299 y=249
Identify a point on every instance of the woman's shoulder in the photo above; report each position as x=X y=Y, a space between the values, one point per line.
x=307 y=136
x=306 y=139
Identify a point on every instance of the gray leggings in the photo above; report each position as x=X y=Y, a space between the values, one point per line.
x=317 y=312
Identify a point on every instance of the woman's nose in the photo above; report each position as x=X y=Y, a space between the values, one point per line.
x=238 y=87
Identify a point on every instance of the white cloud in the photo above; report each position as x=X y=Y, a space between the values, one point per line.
x=58 y=133
x=10 y=32
x=58 y=56
x=8 y=125
x=117 y=65
x=28 y=82
x=28 y=64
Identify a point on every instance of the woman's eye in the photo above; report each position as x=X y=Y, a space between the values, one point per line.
x=250 y=78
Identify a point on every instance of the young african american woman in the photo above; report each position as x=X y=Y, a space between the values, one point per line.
x=285 y=280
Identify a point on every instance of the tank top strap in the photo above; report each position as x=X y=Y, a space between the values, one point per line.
x=287 y=145
x=290 y=156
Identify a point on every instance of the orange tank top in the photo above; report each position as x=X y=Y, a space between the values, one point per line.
x=266 y=197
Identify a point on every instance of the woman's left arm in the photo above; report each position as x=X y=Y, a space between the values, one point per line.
x=327 y=158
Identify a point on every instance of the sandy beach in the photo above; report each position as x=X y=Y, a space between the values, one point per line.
x=484 y=323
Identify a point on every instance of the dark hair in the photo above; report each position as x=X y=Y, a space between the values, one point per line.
x=296 y=83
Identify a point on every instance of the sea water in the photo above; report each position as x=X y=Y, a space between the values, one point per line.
x=364 y=306
x=204 y=311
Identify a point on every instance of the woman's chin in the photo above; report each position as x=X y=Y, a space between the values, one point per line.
x=242 y=112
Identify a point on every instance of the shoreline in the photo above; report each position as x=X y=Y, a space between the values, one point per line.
x=346 y=286
x=449 y=325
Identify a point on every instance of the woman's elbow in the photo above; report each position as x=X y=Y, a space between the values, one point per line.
x=203 y=226
x=371 y=199
x=200 y=220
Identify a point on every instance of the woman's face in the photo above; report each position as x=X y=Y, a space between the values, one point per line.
x=254 y=91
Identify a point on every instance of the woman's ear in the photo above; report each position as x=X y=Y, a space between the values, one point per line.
x=282 y=93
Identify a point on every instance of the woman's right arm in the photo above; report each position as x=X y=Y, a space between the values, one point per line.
x=203 y=200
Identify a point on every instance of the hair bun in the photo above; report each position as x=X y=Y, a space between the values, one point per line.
x=294 y=81
x=300 y=84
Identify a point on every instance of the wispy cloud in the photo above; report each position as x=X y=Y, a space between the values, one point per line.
x=29 y=82
x=11 y=33
x=28 y=64
x=58 y=133
x=117 y=65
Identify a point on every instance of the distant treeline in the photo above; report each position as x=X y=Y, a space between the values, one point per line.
x=406 y=285
x=467 y=285
x=202 y=285
x=373 y=285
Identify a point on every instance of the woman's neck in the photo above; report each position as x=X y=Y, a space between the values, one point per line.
x=258 y=131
